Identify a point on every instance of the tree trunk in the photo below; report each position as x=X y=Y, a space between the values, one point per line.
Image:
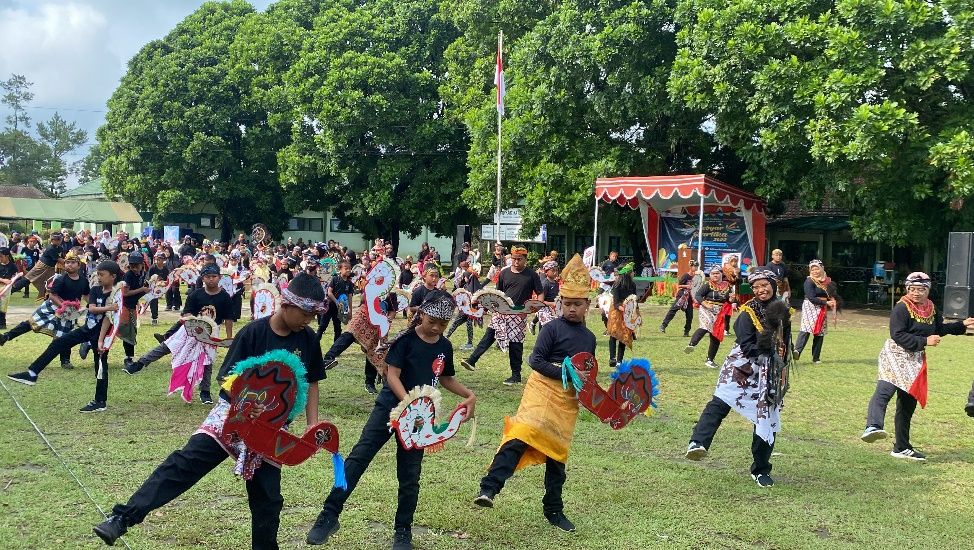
x=226 y=228
x=394 y=236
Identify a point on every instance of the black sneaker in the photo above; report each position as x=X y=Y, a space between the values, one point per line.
x=331 y=364
x=686 y=334
x=83 y=350
x=485 y=499
x=3 y=339
x=23 y=378
x=67 y=366
x=161 y=338
x=468 y=364
x=325 y=526
x=696 y=451
x=911 y=454
x=763 y=480
x=111 y=529
x=205 y=398
x=94 y=406
x=512 y=381
x=402 y=539
x=662 y=329
x=132 y=367
x=969 y=408
x=559 y=520
x=370 y=389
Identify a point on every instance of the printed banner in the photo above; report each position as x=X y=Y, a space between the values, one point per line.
x=723 y=234
x=171 y=234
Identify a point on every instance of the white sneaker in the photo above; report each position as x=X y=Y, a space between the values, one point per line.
x=696 y=451
x=711 y=364
x=873 y=433
x=911 y=454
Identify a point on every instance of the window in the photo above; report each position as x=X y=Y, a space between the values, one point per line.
x=851 y=254
x=293 y=225
x=556 y=242
x=206 y=221
x=315 y=224
x=624 y=250
x=334 y=226
x=799 y=251
x=582 y=242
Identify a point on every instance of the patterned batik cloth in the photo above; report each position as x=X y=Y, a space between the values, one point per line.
x=213 y=427
x=617 y=328
x=185 y=348
x=546 y=315
x=749 y=399
x=898 y=366
x=707 y=314
x=508 y=328
x=128 y=328
x=46 y=321
x=810 y=313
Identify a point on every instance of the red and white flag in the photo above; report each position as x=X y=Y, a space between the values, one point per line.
x=499 y=81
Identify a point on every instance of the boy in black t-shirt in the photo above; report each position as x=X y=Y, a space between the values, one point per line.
x=108 y=274
x=43 y=269
x=431 y=276
x=70 y=286
x=209 y=294
x=340 y=284
x=287 y=329
x=411 y=359
x=682 y=301
x=136 y=284
x=159 y=269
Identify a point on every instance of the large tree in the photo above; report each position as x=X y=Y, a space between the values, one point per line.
x=868 y=101
x=182 y=128
x=59 y=137
x=370 y=133
x=587 y=97
x=22 y=158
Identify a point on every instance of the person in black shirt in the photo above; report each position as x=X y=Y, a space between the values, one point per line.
x=549 y=293
x=8 y=269
x=340 y=285
x=518 y=282
x=159 y=269
x=682 y=301
x=43 y=269
x=136 y=284
x=287 y=329
x=209 y=295
x=89 y=332
x=411 y=361
x=541 y=431
x=470 y=281
x=780 y=270
x=431 y=276
x=70 y=286
x=715 y=298
x=32 y=254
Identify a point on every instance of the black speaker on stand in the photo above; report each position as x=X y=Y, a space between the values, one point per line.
x=959 y=290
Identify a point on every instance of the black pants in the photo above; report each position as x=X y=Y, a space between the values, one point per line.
x=3 y=319
x=905 y=407
x=515 y=352
x=183 y=468
x=101 y=372
x=409 y=466
x=22 y=283
x=62 y=346
x=174 y=299
x=342 y=343
x=332 y=317
x=371 y=374
x=688 y=311
x=502 y=468
x=24 y=327
x=154 y=309
x=714 y=342
x=616 y=350
x=460 y=319
x=970 y=396
x=711 y=417
x=816 y=344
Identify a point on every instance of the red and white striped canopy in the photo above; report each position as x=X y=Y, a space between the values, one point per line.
x=666 y=192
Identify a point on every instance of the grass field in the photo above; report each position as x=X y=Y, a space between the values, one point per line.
x=626 y=489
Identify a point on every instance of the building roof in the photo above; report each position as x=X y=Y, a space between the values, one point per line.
x=92 y=189
x=795 y=210
x=68 y=210
x=21 y=192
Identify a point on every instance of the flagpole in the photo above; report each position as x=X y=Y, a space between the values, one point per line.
x=497 y=221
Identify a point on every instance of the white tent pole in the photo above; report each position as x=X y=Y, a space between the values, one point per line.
x=497 y=222
x=700 y=236
x=595 y=232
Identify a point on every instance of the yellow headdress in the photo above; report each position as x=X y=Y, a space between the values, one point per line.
x=519 y=251
x=72 y=255
x=576 y=282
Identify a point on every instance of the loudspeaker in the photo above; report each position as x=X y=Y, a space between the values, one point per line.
x=463 y=236
x=957 y=301
x=960 y=260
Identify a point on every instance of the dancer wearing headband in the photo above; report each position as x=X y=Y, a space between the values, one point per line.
x=914 y=325
x=754 y=378
x=715 y=300
x=819 y=298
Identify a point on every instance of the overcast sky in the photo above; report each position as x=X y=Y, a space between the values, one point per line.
x=75 y=51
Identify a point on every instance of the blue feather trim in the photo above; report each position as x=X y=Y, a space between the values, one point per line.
x=296 y=366
x=338 y=465
x=626 y=367
x=568 y=371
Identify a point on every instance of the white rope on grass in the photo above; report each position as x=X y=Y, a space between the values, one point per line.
x=58 y=455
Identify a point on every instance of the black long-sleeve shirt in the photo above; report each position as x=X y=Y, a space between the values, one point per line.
x=912 y=334
x=559 y=339
x=814 y=293
x=705 y=293
x=746 y=333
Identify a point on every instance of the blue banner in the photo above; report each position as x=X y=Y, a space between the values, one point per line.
x=723 y=233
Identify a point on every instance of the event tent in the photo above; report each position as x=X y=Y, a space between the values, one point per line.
x=695 y=194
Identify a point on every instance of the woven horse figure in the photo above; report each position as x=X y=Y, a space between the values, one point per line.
x=631 y=393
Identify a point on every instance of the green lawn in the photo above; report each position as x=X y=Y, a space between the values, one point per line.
x=626 y=489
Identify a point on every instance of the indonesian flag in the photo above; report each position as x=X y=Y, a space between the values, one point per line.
x=499 y=81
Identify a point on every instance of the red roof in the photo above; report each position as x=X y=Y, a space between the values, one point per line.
x=665 y=192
